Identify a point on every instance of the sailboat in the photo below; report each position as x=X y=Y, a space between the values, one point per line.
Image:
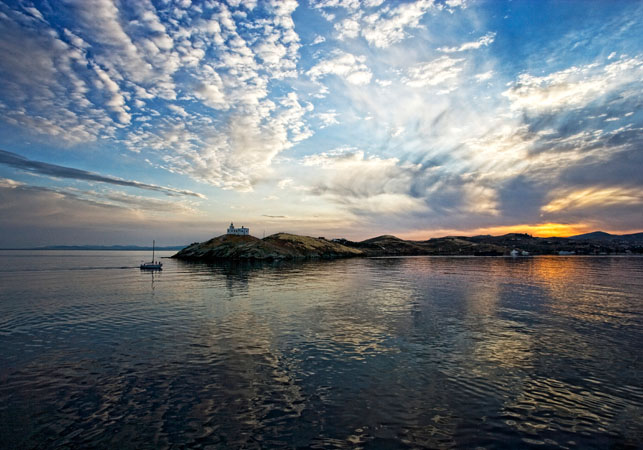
x=152 y=265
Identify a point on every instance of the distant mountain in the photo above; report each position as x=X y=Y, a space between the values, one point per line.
x=594 y=235
x=450 y=245
x=603 y=236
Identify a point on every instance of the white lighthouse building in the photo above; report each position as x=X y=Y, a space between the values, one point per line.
x=242 y=231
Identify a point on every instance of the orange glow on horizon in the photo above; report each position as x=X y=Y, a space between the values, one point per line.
x=549 y=229
x=540 y=230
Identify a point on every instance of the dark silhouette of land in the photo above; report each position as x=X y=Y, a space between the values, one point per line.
x=291 y=246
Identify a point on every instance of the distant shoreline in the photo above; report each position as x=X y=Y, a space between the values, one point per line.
x=97 y=248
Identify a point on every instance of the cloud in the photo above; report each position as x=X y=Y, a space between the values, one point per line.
x=593 y=197
x=211 y=92
x=138 y=49
x=283 y=184
x=234 y=150
x=434 y=72
x=53 y=170
x=129 y=76
x=575 y=87
x=116 y=101
x=484 y=76
x=347 y=28
x=35 y=215
x=364 y=184
x=484 y=41
x=8 y=183
x=239 y=155
x=349 y=67
x=327 y=118
x=47 y=91
x=381 y=26
x=348 y=4
x=388 y=26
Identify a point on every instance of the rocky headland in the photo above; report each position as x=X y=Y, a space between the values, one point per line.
x=276 y=246
x=290 y=246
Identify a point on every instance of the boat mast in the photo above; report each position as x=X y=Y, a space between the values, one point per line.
x=153 y=242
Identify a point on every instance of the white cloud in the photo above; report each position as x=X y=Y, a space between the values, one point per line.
x=211 y=92
x=283 y=184
x=484 y=41
x=34 y=12
x=434 y=72
x=179 y=110
x=347 y=4
x=388 y=26
x=142 y=60
x=116 y=102
x=383 y=26
x=364 y=184
x=327 y=118
x=46 y=92
x=239 y=155
x=344 y=65
x=236 y=149
x=484 y=76
x=397 y=131
x=574 y=87
x=347 y=28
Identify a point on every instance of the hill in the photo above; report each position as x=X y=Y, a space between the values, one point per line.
x=603 y=236
x=594 y=235
x=274 y=247
x=388 y=245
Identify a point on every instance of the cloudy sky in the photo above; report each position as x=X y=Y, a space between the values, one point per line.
x=124 y=121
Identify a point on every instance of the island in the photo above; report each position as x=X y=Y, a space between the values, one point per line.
x=238 y=244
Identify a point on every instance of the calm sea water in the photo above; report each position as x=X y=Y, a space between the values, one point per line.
x=374 y=353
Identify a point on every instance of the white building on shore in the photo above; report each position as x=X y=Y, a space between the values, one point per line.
x=242 y=231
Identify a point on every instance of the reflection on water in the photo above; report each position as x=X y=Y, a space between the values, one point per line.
x=383 y=352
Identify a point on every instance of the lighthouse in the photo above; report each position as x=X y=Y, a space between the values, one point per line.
x=241 y=231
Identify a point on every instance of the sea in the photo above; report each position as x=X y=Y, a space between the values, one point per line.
x=381 y=353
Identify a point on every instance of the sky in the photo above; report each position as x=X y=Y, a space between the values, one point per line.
x=127 y=121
